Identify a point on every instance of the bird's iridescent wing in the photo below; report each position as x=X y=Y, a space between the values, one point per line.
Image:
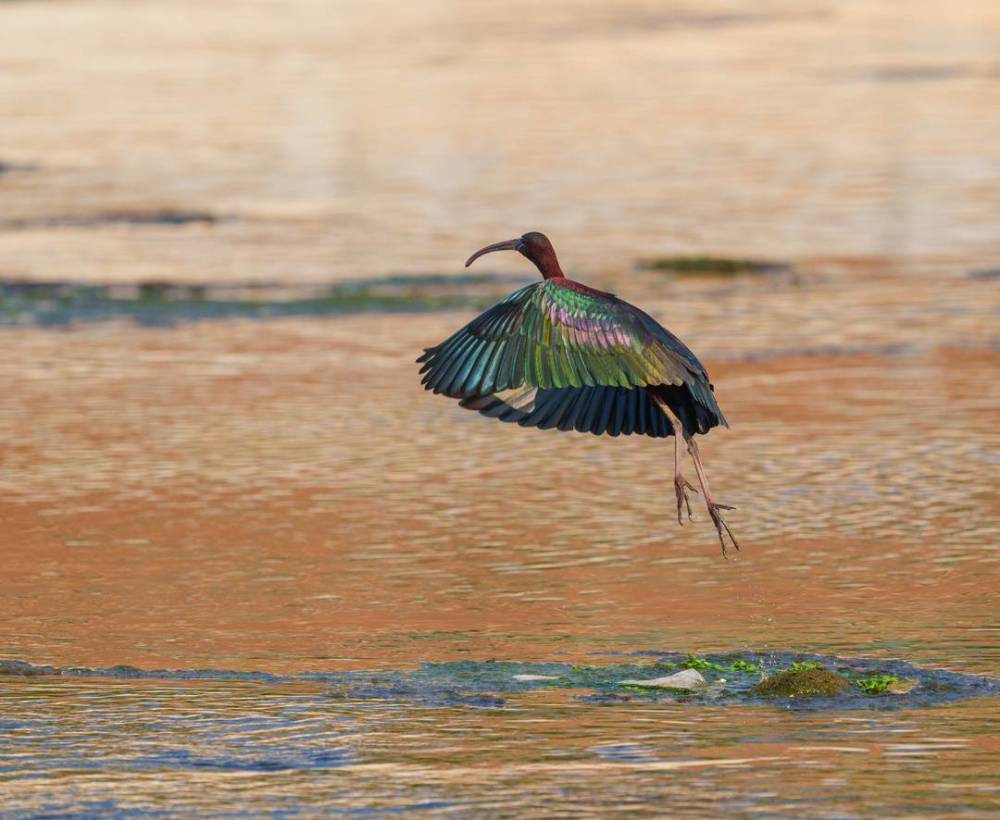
x=556 y=334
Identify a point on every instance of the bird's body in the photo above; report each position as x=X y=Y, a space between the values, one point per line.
x=559 y=354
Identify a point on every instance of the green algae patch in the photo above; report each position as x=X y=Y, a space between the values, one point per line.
x=811 y=682
x=711 y=265
x=705 y=665
x=876 y=684
x=702 y=664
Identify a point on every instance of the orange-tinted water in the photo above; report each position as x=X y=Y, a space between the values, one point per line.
x=281 y=496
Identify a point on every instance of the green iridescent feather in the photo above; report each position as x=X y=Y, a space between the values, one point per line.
x=595 y=361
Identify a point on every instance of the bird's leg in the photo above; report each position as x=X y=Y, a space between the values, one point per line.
x=713 y=508
x=681 y=484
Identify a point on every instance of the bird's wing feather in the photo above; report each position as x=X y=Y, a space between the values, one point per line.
x=555 y=334
x=599 y=410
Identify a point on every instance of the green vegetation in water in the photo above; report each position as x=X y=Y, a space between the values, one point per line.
x=711 y=265
x=702 y=664
x=876 y=684
x=163 y=303
x=802 y=683
x=705 y=665
x=801 y=678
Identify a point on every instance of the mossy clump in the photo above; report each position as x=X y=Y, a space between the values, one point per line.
x=802 y=683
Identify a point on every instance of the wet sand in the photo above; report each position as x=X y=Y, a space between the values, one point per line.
x=280 y=496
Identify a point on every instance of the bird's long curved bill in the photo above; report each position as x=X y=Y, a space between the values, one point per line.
x=509 y=245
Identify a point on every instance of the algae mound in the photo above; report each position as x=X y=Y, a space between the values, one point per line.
x=802 y=683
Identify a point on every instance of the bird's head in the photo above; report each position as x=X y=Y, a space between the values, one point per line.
x=535 y=246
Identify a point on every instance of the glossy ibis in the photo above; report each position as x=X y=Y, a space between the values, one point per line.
x=559 y=354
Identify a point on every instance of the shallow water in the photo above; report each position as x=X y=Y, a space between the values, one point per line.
x=216 y=455
x=278 y=498
x=185 y=746
x=264 y=141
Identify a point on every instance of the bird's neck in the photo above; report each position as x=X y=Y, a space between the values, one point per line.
x=548 y=265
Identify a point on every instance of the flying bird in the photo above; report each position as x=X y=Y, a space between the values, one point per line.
x=558 y=354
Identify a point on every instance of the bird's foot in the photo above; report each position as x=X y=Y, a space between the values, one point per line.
x=681 y=486
x=721 y=526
